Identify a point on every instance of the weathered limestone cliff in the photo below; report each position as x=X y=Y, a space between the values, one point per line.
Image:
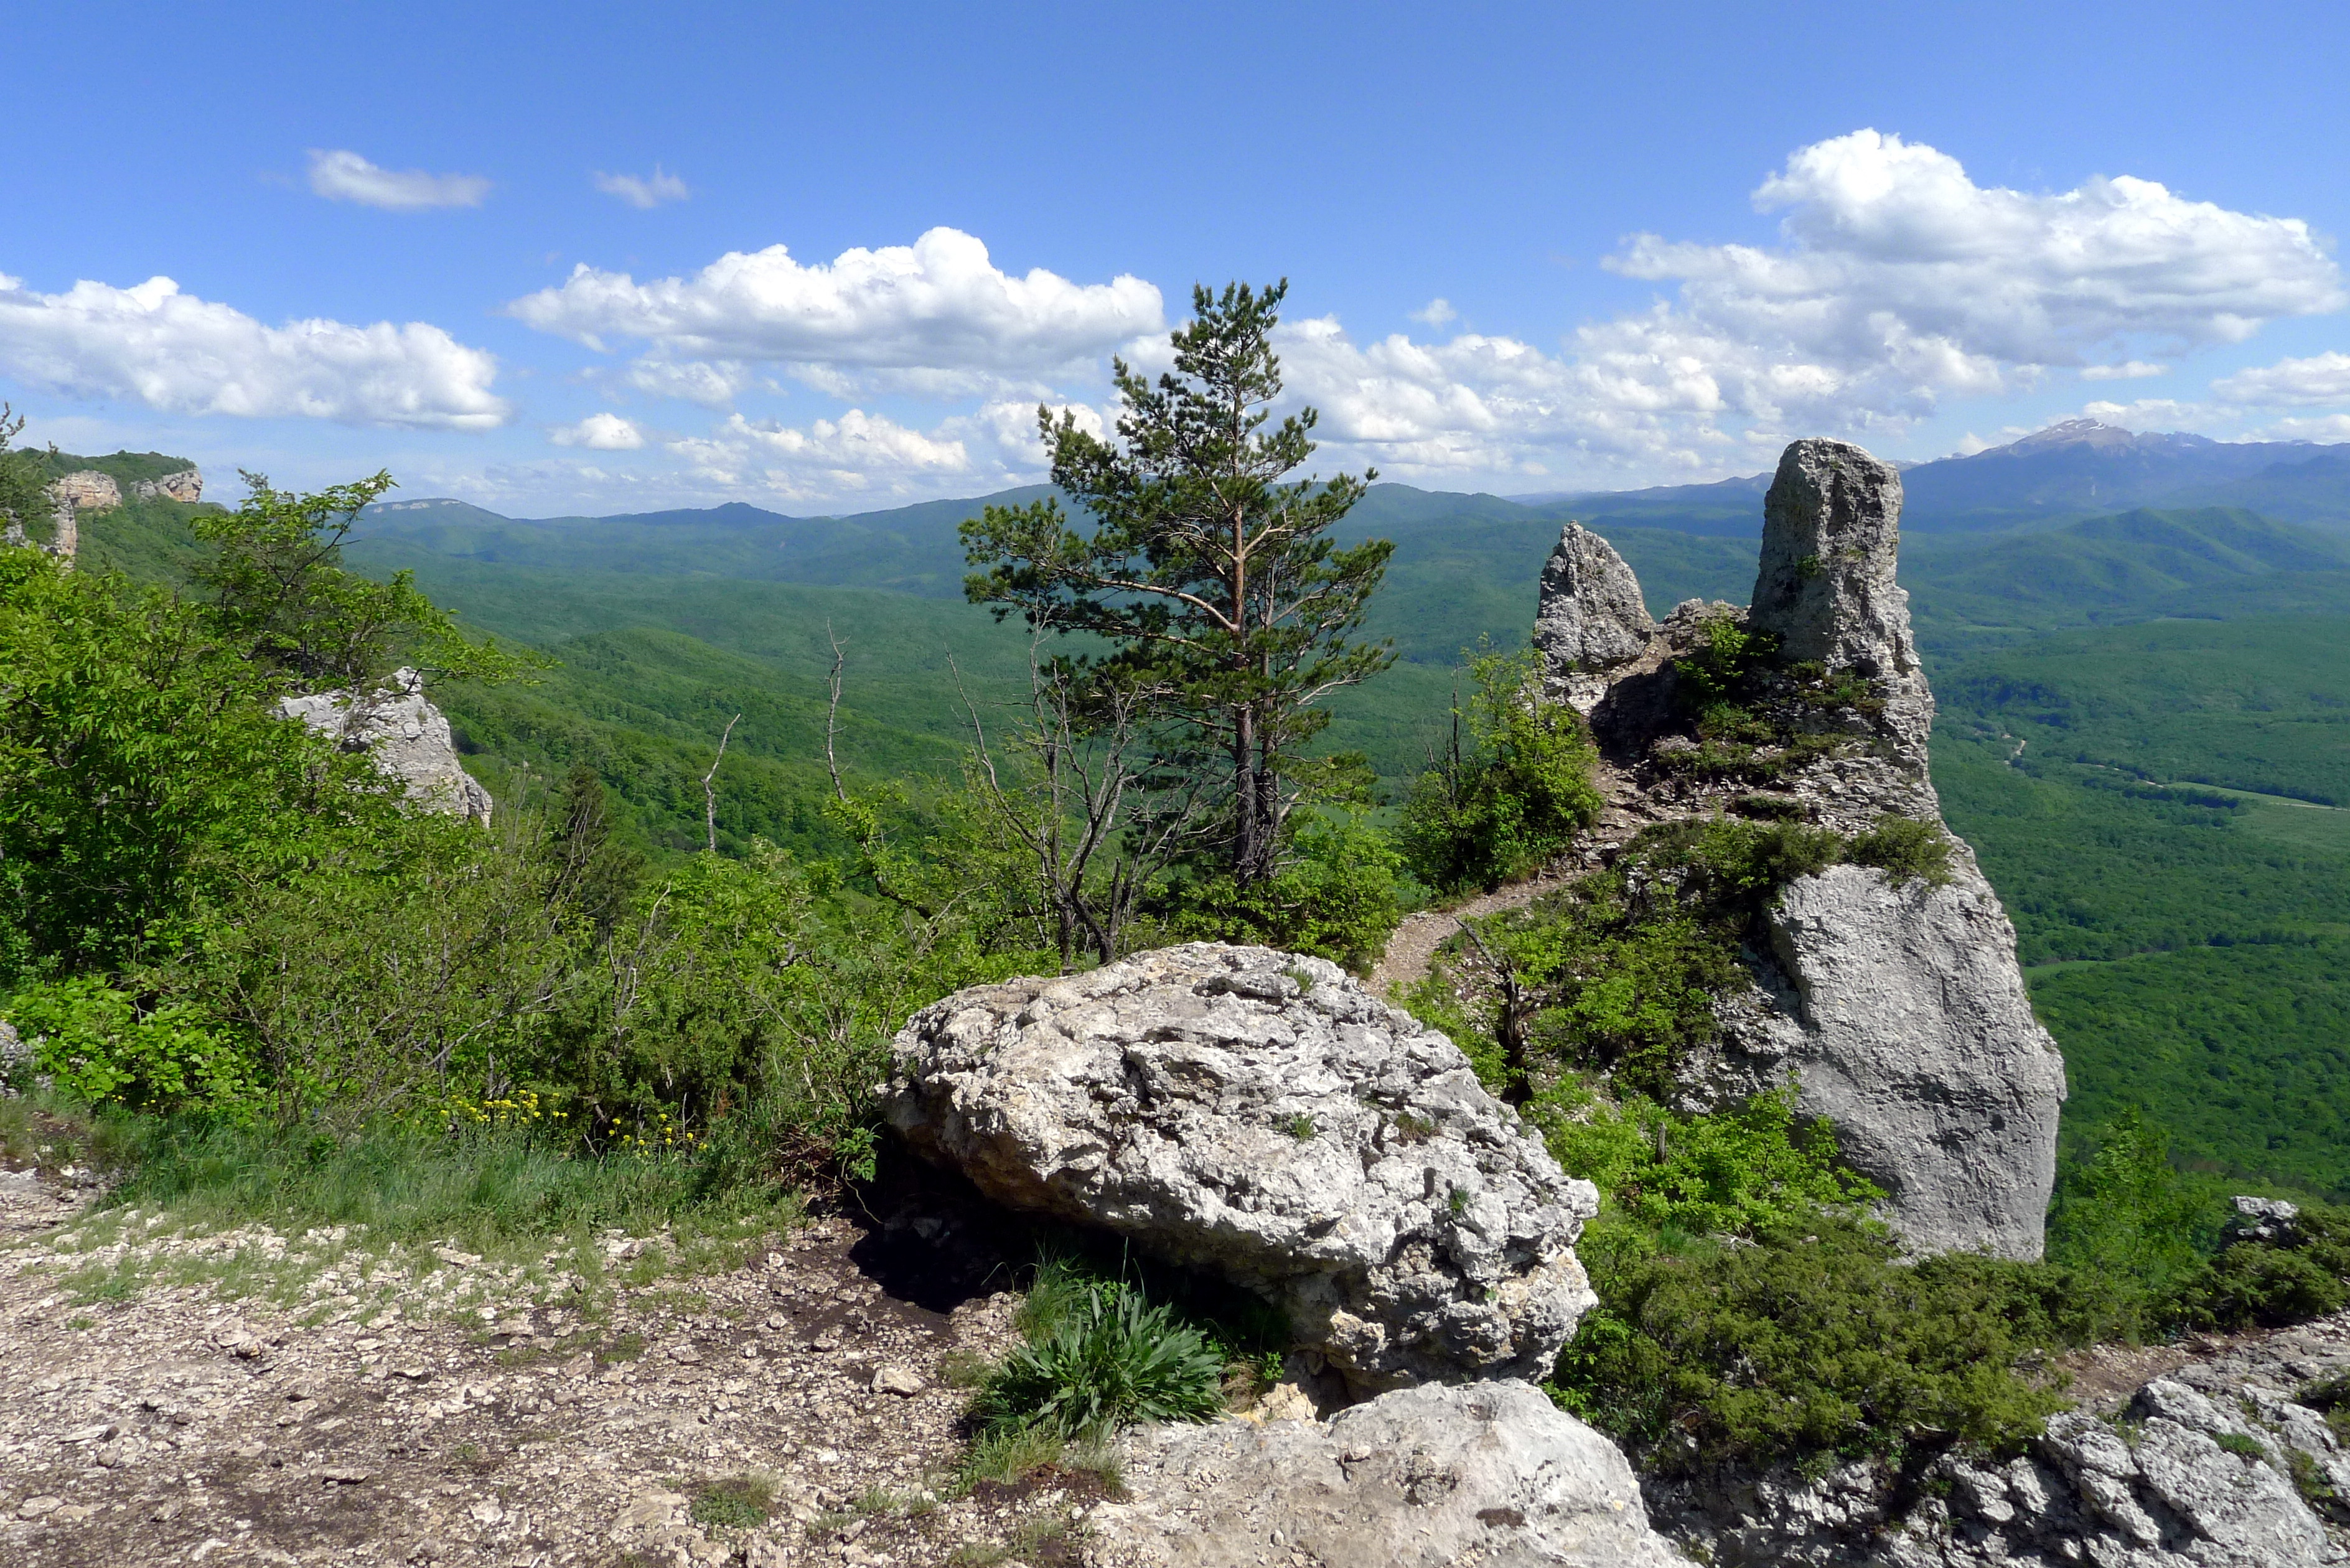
x=186 y=486
x=1896 y=1006
x=86 y=490
x=405 y=736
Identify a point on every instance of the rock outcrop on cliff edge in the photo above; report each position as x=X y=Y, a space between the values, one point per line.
x=405 y=735
x=1895 y=1006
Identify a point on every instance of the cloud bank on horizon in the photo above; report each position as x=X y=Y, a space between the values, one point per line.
x=1897 y=286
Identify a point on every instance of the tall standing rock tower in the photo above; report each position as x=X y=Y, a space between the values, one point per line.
x=1894 y=1005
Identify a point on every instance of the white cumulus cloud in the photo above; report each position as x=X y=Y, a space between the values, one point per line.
x=2328 y=428
x=341 y=175
x=640 y=190
x=939 y=308
x=180 y=354
x=1902 y=278
x=856 y=454
x=599 y=433
x=1898 y=283
x=2289 y=383
x=1436 y=312
x=711 y=383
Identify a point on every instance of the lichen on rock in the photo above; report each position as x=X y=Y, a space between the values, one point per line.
x=1261 y=1115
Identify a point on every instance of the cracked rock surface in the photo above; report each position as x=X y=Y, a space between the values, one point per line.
x=2215 y=1462
x=1264 y=1116
x=1489 y=1473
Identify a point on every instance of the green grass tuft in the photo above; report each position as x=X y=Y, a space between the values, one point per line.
x=1110 y=1360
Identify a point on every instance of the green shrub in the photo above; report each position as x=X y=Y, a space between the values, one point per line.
x=1112 y=1360
x=1906 y=850
x=2253 y=1284
x=1747 y=1168
x=1338 y=895
x=97 y=1043
x=1813 y=1340
x=1515 y=789
x=2125 y=1213
x=1629 y=996
x=1718 y=670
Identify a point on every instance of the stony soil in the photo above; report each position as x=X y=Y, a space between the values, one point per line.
x=474 y=1421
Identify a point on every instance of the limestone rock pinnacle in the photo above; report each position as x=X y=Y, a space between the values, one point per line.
x=1591 y=620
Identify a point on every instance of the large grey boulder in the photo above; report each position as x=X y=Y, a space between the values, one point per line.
x=1263 y=1115
x=1920 y=1045
x=405 y=735
x=1591 y=618
x=1492 y=1473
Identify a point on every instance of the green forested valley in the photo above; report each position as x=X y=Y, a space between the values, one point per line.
x=2145 y=731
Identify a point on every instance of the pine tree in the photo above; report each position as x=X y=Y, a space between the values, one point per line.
x=1212 y=577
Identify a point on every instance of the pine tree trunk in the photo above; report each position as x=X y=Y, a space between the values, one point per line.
x=1245 y=788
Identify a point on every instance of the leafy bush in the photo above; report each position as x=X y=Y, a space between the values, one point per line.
x=1813 y=1340
x=2255 y=1284
x=97 y=1043
x=1515 y=789
x=2125 y=1213
x=1717 y=671
x=1747 y=1168
x=1735 y=867
x=1906 y=850
x=1112 y=1360
x=1337 y=895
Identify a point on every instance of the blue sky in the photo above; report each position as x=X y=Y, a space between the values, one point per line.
x=1531 y=248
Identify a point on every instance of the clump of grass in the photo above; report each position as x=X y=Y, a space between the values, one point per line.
x=1299 y=1126
x=2237 y=1443
x=1108 y=1360
x=498 y=1192
x=1005 y=1453
x=738 y=1502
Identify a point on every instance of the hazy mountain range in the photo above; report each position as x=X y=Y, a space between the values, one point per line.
x=2073 y=469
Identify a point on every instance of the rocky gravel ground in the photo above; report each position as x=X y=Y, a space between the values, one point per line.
x=252 y=1398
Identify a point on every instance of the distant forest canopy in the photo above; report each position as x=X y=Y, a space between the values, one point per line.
x=2144 y=712
x=125 y=468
